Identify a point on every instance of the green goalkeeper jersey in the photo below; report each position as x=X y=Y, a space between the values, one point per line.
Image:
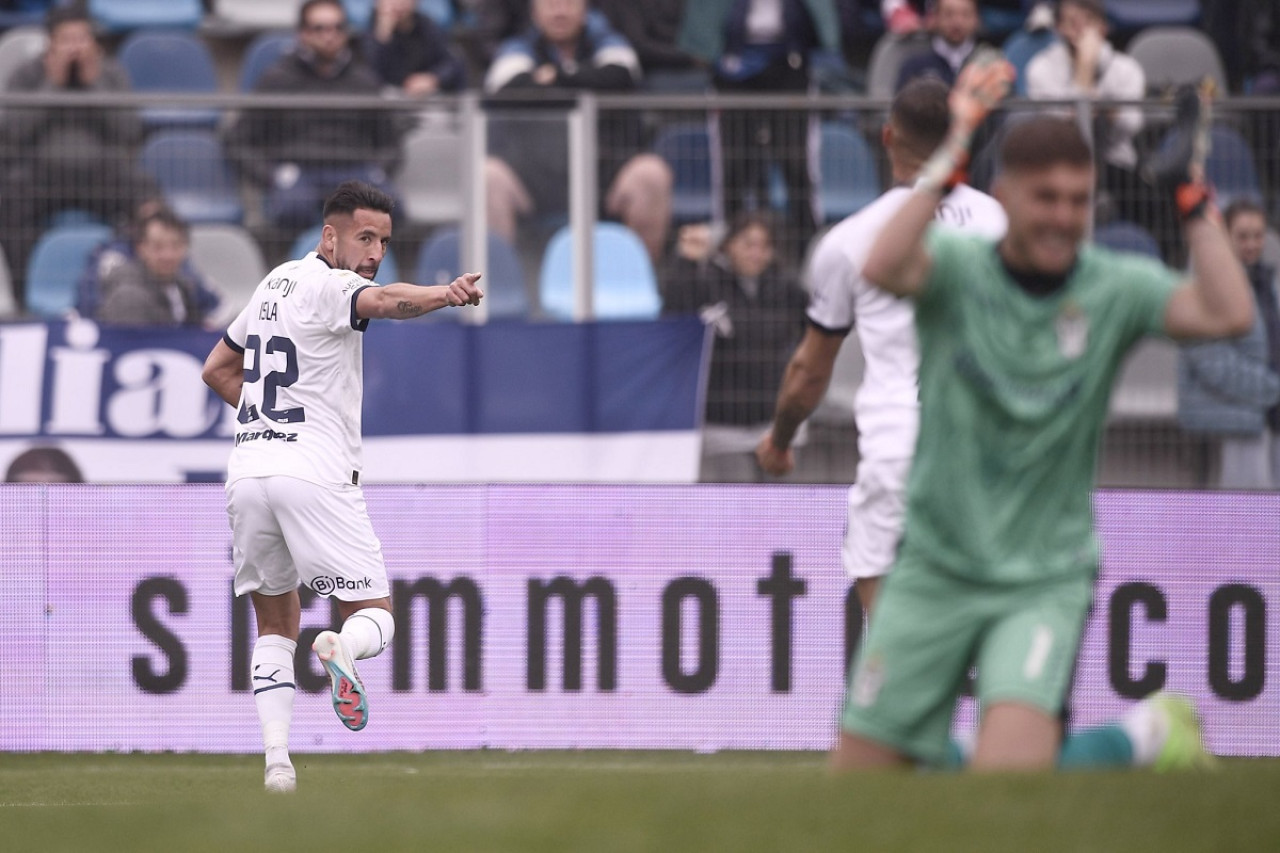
x=1014 y=391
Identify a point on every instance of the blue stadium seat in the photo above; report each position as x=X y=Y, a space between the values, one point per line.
x=24 y=13
x=1231 y=166
x=56 y=263
x=170 y=61
x=1125 y=236
x=687 y=149
x=388 y=270
x=193 y=172
x=359 y=12
x=624 y=284
x=850 y=174
x=440 y=262
x=120 y=15
x=1020 y=47
x=261 y=54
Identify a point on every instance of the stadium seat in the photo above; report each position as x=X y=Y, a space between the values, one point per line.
x=193 y=173
x=1146 y=388
x=1125 y=236
x=1171 y=56
x=261 y=54
x=430 y=177
x=56 y=263
x=1020 y=47
x=624 y=284
x=17 y=47
x=170 y=61
x=359 y=12
x=256 y=15
x=388 y=270
x=1231 y=167
x=850 y=174
x=120 y=15
x=440 y=262
x=686 y=147
x=1130 y=16
x=231 y=260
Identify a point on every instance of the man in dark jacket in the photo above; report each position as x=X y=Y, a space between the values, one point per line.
x=410 y=52
x=954 y=25
x=568 y=50
x=299 y=155
x=61 y=157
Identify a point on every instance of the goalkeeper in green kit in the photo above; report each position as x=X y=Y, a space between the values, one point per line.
x=1020 y=342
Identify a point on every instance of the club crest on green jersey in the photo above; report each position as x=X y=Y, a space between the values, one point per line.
x=1072 y=328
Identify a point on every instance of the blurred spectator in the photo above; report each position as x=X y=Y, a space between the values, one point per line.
x=1238 y=29
x=151 y=283
x=62 y=158
x=653 y=29
x=1083 y=64
x=566 y=50
x=1229 y=389
x=121 y=249
x=954 y=26
x=411 y=52
x=764 y=46
x=495 y=22
x=758 y=316
x=298 y=156
x=43 y=465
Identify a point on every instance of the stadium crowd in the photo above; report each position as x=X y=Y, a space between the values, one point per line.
x=75 y=175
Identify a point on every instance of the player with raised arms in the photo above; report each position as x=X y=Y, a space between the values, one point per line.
x=1020 y=342
x=292 y=364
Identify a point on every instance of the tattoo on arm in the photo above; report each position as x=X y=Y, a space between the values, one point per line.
x=408 y=309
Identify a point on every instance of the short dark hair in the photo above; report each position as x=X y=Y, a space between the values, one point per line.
x=1240 y=207
x=164 y=216
x=305 y=10
x=44 y=460
x=351 y=196
x=749 y=219
x=66 y=14
x=1039 y=142
x=1093 y=7
x=919 y=111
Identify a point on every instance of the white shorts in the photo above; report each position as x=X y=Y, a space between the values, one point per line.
x=287 y=532
x=877 y=505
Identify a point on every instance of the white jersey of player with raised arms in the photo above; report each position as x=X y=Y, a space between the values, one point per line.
x=886 y=406
x=300 y=406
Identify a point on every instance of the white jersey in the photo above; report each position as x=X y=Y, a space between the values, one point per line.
x=886 y=407
x=303 y=392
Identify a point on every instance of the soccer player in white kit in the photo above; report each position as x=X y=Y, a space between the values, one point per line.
x=886 y=406
x=292 y=365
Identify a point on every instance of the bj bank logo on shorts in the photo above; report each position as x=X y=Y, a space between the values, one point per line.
x=328 y=586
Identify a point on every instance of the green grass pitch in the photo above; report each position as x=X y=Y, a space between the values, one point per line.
x=616 y=801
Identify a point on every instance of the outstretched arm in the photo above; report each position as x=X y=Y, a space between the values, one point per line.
x=898 y=261
x=803 y=386
x=1216 y=302
x=402 y=301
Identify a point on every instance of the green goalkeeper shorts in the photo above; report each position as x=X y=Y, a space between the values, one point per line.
x=930 y=627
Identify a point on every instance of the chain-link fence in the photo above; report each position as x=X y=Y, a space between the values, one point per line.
x=670 y=177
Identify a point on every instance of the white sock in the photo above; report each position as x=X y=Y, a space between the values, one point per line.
x=367 y=632
x=1146 y=726
x=273 y=691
